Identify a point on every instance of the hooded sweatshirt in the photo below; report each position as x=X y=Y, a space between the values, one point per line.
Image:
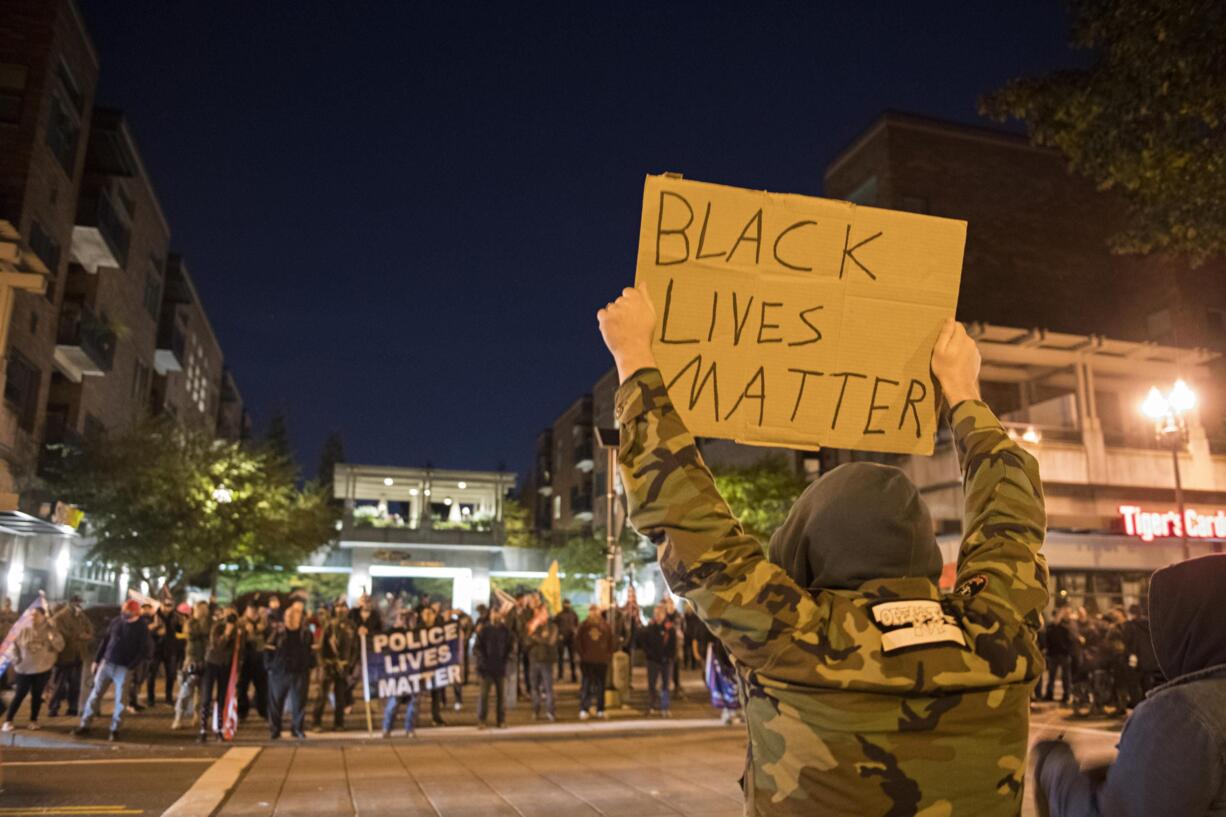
x=868 y=691
x=1172 y=752
x=37 y=647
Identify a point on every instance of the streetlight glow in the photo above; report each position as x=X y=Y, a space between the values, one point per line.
x=1155 y=406
x=222 y=494
x=389 y=482
x=1181 y=398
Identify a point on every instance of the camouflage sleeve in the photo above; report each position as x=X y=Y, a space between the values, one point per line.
x=1004 y=519
x=751 y=605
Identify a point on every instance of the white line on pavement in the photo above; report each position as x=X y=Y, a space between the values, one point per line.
x=206 y=794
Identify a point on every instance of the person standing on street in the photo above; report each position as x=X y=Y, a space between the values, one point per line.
x=338 y=653
x=594 y=644
x=124 y=645
x=78 y=633
x=215 y=677
x=165 y=654
x=542 y=635
x=196 y=635
x=855 y=664
x=492 y=650
x=1058 y=646
x=254 y=624
x=658 y=641
x=34 y=653
x=568 y=622
x=291 y=656
x=403 y=620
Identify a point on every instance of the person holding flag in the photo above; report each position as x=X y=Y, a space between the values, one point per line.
x=33 y=649
x=122 y=647
x=542 y=640
x=218 y=664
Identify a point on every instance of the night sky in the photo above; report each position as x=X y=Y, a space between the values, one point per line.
x=403 y=216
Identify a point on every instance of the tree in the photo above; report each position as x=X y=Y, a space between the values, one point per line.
x=517 y=525
x=276 y=439
x=171 y=501
x=332 y=453
x=581 y=558
x=761 y=494
x=1146 y=118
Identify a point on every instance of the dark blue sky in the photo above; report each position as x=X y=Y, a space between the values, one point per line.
x=402 y=216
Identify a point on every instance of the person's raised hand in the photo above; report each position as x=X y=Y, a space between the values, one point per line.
x=955 y=362
x=626 y=325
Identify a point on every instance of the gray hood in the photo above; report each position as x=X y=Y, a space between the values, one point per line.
x=861 y=521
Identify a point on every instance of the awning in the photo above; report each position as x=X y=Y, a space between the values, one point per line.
x=17 y=523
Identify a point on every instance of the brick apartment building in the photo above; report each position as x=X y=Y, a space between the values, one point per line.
x=104 y=324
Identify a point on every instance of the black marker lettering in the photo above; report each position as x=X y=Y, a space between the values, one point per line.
x=817 y=333
x=763 y=325
x=739 y=321
x=756 y=240
x=696 y=387
x=795 y=226
x=842 y=389
x=760 y=377
x=668 y=304
x=874 y=406
x=851 y=253
x=714 y=304
x=910 y=404
x=660 y=231
x=702 y=237
x=800 y=392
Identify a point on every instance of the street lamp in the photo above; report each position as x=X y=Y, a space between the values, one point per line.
x=222 y=494
x=1169 y=414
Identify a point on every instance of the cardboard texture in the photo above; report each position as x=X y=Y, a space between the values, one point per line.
x=797 y=321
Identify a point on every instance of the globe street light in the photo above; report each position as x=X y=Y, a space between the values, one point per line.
x=1169 y=414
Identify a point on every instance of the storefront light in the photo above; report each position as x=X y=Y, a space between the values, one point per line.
x=63 y=562
x=1032 y=436
x=389 y=482
x=412 y=492
x=16 y=574
x=462 y=485
x=447 y=501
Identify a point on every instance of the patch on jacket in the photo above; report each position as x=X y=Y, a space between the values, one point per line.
x=915 y=623
x=972 y=585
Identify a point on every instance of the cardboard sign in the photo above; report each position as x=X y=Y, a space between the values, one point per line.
x=796 y=321
x=405 y=662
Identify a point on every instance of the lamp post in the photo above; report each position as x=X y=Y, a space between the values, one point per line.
x=1169 y=414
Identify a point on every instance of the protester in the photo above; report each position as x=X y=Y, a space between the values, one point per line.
x=1172 y=752
x=493 y=649
x=338 y=655
x=678 y=624
x=425 y=620
x=630 y=617
x=78 y=633
x=165 y=654
x=691 y=629
x=658 y=641
x=404 y=620
x=254 y=625
x=124 y=645
x=34 y=652
x=855 y=664
x=568 y=622
x=215 y=677
x=1058 y=644
x=542 y=639
x=594 y=644
x=196 y=635
x=143 y=667
x=1143 y=670
x=291 y=656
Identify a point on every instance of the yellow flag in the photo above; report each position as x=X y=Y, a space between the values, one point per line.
x=551 y=589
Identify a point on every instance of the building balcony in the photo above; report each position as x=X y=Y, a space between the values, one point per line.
x=84 y=342
x=581 y=506
x=363 y=535
x=171 y=346
x=583 y=456
x=100 y=237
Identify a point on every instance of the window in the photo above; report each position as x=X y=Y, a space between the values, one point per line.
x=140 y=382
x=12 y=91
x=866 y=193
x=21 y=385
x=153 y=287
x=70 y=87
x=63 y=133
x=45 y=247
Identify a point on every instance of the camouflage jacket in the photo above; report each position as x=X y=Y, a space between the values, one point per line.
x=893 y=699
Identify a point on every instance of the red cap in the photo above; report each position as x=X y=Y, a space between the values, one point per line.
x=131 y=607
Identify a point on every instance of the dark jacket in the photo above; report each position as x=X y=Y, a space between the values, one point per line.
x=658 y=641
x=594 y=642
x=220 y=651
x=568 y=622
x=1172 y=752
x=492 y=649
x=198 y=639
x=542 y=644
x=1058 y=640
x=291 y=651
x=125 y=643
x=1138 y=642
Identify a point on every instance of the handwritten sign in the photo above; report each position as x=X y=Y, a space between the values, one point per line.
x=405 y=662
x=797 y=321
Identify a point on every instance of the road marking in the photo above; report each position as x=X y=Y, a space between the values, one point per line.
x=48 y=810
x=206 y=794
x=93 y=762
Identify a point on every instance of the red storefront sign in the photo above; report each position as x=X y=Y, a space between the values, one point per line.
x=1150 y=525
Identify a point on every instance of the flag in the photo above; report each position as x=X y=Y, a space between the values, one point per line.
x=500 y=600
x=22 y=623
x=142 y=599
x=551 y=589
x=229 y=715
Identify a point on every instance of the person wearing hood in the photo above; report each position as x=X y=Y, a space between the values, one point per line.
x=868 y=691
x=1172 y=752
x=78 y=632
x=34 y=652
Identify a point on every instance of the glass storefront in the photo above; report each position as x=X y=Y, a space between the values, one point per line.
x=1099 y=591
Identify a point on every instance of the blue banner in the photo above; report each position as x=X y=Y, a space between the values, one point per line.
x=405 y=662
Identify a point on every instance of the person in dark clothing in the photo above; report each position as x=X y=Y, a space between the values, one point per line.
x=78 y=634
x=492 y=649
x=658 y=641
x=404 y=620
x=164 y=627
x=692 y=627
x=1143 y=673
x=215 y=678
x=594 y=644
x=1172 y=750
x=195 y=632
x=427 y=618
x=338 y=653
x=290 y=658
x=146 y=666
x=568 y=622
x=254 y=625
x=123 y=646
x=1058 y=642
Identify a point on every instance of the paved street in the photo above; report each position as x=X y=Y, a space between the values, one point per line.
x=628 y=767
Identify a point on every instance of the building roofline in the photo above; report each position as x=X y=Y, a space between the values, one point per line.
x=84 y=30
x=191 y=286
x=121 y=120
x=931 y=124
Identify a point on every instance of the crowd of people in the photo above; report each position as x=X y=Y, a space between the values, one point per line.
x=291 y=660
x=1104 y=663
